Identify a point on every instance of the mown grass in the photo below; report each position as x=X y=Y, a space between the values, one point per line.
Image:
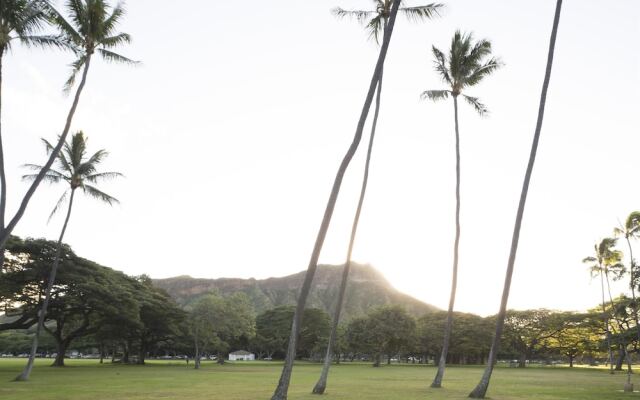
x=86 y=379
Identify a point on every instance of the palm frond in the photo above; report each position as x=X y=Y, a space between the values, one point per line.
x=483 y=71
x=68 y=31
x=110 y=56
x=100 y=176
x=359 y=15
x=98 y=194
x=110 y=22
x=589 y=259
x=48 y=177
x=441 y=65
x=76 y=66
x=116 y=40
x=632 y=223
x=59 y=204
x=375 y=26
x=480 y=108
x=421 y=13
x=435 y=95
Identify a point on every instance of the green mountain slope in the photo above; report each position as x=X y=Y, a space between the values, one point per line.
x=367 y=289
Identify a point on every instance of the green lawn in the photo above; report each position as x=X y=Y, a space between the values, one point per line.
x=86 y=379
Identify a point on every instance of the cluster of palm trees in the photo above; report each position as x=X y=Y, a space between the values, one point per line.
x=467 y=63
x=606 y=263
x=89 y=27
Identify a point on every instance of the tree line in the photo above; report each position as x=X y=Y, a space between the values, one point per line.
x=125 y=318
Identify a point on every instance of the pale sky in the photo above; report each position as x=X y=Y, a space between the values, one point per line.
x=231 y=131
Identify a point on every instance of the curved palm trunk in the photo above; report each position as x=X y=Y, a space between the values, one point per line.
x=481 y=389
x=437 y=381
x=196 y=361
x=4 y=234
x=321 y=385
x=622 y=345
x=283 y=384
x=26 y=372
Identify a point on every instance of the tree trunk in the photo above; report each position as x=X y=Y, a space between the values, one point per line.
x=196 y=363
x=522 y=361
x=283 y=384
x=61 y=347
x=571 y=361
x=621 y=356
x=4 y=235
x=102 y=351
x=125 y=352
x=3 y=180
x=220 y=359
x=142 y=352
x=481 y=389
x=376 y=361
x=26 y=372
x=437 y=381
x=321 y=385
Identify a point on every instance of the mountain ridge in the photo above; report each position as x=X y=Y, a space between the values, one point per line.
x=367 y=289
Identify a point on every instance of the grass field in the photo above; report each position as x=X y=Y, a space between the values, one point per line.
x=86 y=379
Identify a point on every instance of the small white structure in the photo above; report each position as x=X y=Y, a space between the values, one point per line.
x=241 y=355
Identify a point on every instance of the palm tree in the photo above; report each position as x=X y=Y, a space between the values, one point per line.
x=20 y=20
x=467 y=64
x=79 y=172
x=601 y=263
x=283 y=383
x=91 y=29
x=481 y=389
x=376 y=26
x=631 y=230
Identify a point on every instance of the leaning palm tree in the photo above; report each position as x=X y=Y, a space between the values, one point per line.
x=376 y=22
x=20 y=20
x=285 y=377
x=631 y=230
x=467 y=64
x=90 y=29
x=481 y=389
x=77 y=171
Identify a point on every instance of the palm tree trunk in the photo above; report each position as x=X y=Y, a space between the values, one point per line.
x=4 y=234
x=481 y=389
x=3 y=179
x=437 y=381
x=283 y=384
x=606 y=322
x=321 y=385
x=26 y=372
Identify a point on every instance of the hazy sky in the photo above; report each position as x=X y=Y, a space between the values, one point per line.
x=231 y=131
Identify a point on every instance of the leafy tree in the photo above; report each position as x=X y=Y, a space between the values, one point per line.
x=20 y=20
x=467 y=64
x=272 y=331
x=85 y=294
x=282 y=388
x=377 y=24
x=481 y=389
x=580 y=335
x=91 y=29
x=531 y=330
x=79 y=172
x=217 y=322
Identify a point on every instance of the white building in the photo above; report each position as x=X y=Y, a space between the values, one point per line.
x=241 y=355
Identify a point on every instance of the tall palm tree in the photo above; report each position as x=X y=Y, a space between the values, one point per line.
x=20 y=20
x=481 y=389
x=631 y=230
x=79 y=172
x=90 y=29
x=376 y=22
x=467 y=64
x=283 y=384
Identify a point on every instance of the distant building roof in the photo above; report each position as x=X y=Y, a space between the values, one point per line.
x=240 y=353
